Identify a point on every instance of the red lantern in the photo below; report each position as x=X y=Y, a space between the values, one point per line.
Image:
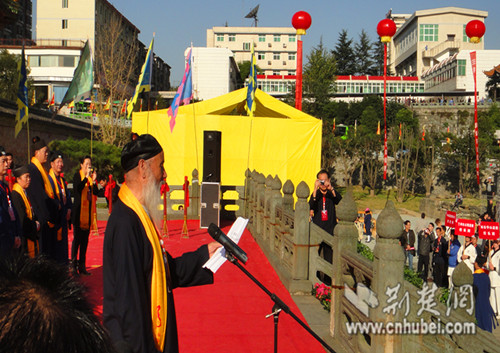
x=386 y=29
x=475 y=30
x=301 y=21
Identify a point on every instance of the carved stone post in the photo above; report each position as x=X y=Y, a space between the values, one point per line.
x=194 y=203
x=259 y=207
x=301 y=233
x=345 y=238
x=288 y=190
x=251 y=200
x=388 y=266
x=462 y=277
x=267 y=208
x=243 y=197
x=276 y=201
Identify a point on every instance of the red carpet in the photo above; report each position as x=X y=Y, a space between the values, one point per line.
x=229 y=316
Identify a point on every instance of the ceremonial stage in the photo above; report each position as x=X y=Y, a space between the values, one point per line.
x=228 y=316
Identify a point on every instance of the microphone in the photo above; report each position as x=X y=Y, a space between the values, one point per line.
x=230 y=246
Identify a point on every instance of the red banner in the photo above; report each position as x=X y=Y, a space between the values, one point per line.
x=489 y=230
x=451 y=218
x=476 y=129
x=465 y=227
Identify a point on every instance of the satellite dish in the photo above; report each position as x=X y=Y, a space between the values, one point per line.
x=253 y=14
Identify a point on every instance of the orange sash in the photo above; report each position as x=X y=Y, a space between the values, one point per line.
x=32 y=245
x=85 y=203
x=46 y=182
x=158 y=278
x=52 y=175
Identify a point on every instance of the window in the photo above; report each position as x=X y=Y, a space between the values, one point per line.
x=276 y=73
x=67 y=61
x=276 y=56
x=261 y=56
x=65 y=4
x=277 y=38
x=291 y=38
x=34 y=60
x=64 y=43
x=64 y=24
x=262 y=37
x=461 y=67
x=291 y=56
x=246 y=46
x=220 y=37
x=232 y=37
x=429 y=33
x=291 y=73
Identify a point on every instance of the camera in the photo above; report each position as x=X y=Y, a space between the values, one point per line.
x=322 y=182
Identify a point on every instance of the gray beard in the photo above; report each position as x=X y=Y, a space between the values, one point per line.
x=152 y=197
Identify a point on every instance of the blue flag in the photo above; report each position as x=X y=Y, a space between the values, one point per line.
x=144 y=84
x=252 y=85
x=22 y=97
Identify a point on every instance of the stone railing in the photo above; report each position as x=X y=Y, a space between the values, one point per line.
x=361 y=289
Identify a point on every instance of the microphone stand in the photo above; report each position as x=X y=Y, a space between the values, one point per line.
x=279 y=306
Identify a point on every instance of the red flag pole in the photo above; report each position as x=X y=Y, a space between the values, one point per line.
x=186 y=205
x=11 y=180
x=164 y=189
x=110 y=197
x=385 y=112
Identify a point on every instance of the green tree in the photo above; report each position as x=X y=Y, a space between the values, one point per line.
x=106 y=158
x=9 y=75
x=344 y=55
x=378 y=58
x=365 y=64
x=492 y=85
x=319 y=75
x=244 y=67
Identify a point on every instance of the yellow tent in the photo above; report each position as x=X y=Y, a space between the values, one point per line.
x=279 y=139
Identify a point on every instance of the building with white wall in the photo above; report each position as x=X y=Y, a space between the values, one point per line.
x=214 y=72
x=454 y=74
x=51 y=69
x=430 y=36
x=275 y=47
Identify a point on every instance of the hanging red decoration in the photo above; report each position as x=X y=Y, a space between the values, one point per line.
x=475 y=30
x=386 y=29
x=301 y=21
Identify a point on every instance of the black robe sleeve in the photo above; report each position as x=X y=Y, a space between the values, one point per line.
x=127 y=266
x=28 y=226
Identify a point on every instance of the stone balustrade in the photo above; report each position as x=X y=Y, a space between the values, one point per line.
x=363 y=291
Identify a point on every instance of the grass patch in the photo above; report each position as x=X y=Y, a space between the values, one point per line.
x=410 y=202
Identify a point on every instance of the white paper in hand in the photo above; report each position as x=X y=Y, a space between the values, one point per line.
x=237 y=229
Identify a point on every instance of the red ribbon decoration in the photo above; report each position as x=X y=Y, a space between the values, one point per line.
x=185 y=187
x=476 y=130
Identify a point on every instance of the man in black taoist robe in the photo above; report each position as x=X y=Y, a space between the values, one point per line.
x=131 y=251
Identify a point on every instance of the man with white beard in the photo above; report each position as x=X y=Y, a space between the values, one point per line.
x=138 y=273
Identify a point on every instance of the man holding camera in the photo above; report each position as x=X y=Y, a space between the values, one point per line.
x=323 y=201
x=84 y=188
x=425 y=241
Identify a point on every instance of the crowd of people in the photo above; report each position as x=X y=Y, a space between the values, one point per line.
x=36 y=213
x=436 y=246
x=37 y=209
x=439 y=252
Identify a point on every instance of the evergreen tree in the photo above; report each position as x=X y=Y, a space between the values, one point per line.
x=378 y=58
x=364 y=58
x=344 y=55
x=319 y=74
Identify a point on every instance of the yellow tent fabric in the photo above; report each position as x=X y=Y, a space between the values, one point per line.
x=278 y=140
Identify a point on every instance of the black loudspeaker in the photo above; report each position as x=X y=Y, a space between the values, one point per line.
x=211 y=156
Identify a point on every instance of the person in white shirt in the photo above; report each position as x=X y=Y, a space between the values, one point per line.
x=494 y=267
x=467 y=253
